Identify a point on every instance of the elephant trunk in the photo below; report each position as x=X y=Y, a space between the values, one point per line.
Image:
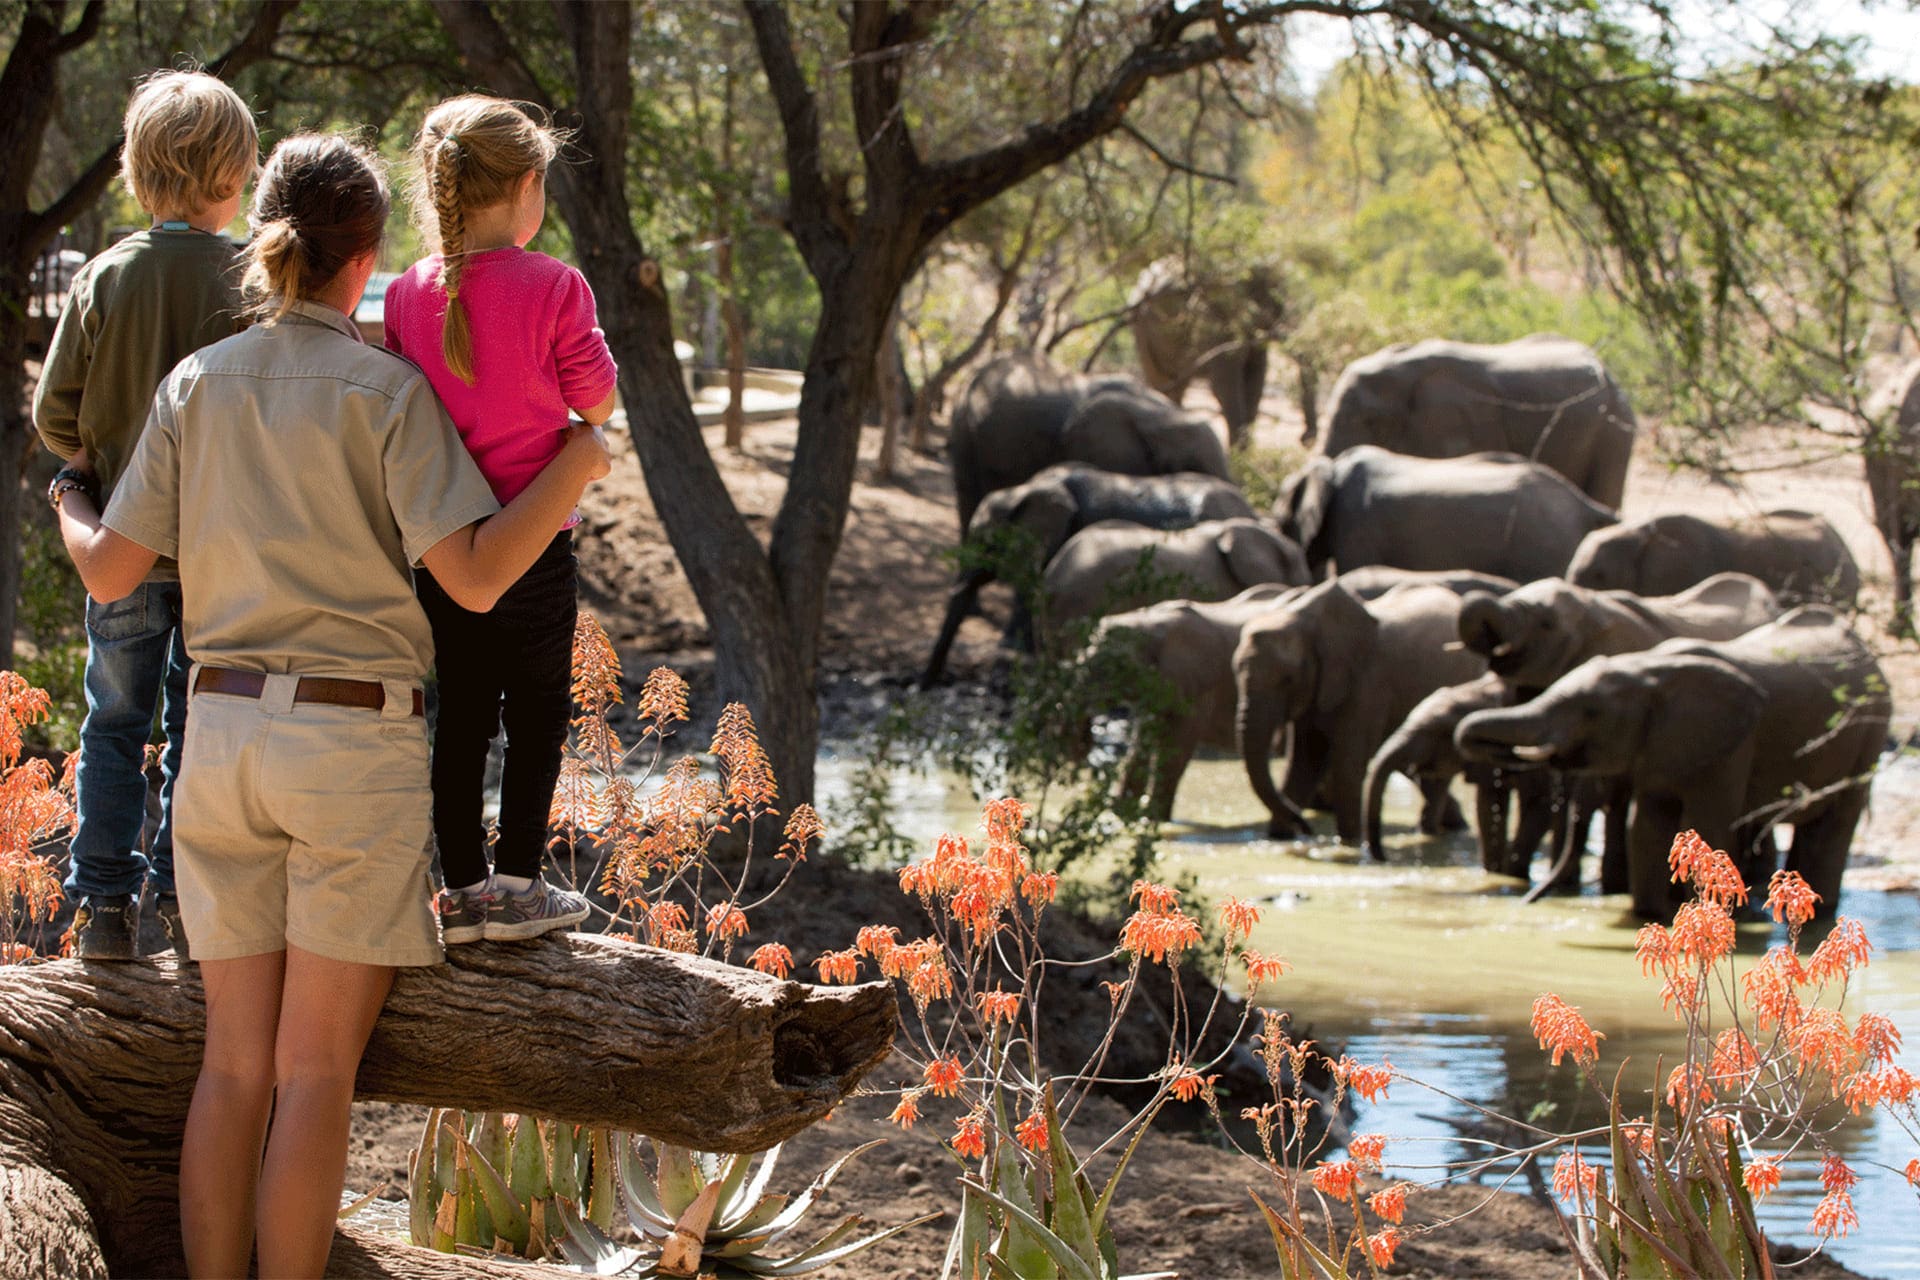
x=960 y=602
x=1256 y=724
x=1395 y=756
x=1505 y=736
x=1481 y=622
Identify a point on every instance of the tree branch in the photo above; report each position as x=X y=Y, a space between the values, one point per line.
x=83 y=31
x=484 y=46
x=1172 y=163
x=810 y=201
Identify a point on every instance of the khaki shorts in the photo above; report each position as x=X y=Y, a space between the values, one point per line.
x=305 y=824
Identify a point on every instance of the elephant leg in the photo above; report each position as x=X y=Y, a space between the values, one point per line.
x=1346 y=784
x=1490 y=799
x=1307 y=752
x=1538 y=817
x=1618 y=805
x=1902 y=548
x=1309 y=379
x=1822 y=843
x=962 y=603
x=1649 y=839
x=1170 y=763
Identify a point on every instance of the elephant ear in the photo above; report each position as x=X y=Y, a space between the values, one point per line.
x=1048 y=512
x=1343 y=637
x=1304 y=502
x=1707 y=712
x=1253 y=554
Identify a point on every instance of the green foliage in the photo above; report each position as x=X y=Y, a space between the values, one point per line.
x=712 y=1215
x=1260 y=472
x=492 y=1183
x=52 y=636
x=1039 y=1218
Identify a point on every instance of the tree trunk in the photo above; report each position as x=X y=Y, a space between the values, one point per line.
x=888 y=386
x=98 y=1061
x=735 y=421
x=16 y=443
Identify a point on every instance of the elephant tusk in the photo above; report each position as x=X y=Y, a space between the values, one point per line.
x=1537 y=754
x=1501 y=650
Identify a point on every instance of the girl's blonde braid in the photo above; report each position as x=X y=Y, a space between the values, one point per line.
x=443 y=181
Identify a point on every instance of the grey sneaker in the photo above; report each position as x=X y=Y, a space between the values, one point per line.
x=541 y=909
x=103 y=927
x=167 y=906
x=463 y=916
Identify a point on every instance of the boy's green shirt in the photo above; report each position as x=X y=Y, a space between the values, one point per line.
x=133 y=313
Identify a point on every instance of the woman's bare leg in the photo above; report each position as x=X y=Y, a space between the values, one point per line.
x=220 y=1155
x=331 y=1006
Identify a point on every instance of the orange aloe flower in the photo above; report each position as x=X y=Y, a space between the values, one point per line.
x=749 y=773
x=596 y=667
x=1822 y=1042
x=726 y=920
x=839 y=966
x=1835 y=1175
x=1735 y=1061
x=1875 y=1036
x=1369 y=1082
x=1913 y=1171
x=1654 y=946
x=1391 y=1203
x=1366 y=1149
x=1262 y=968
x=1381 y=1244
x=876 y=940
x=772 y=958
x=1762 y=1176
x=970 y=1137
x=1156 y=898
x=802 y=829
x=1790 y=898
x=1335 y=1179
x=1834 y=1215
x=663 y=700
x=1703 y=931
x=1238 y=918
x=1574 y=1177
x=1687 y=1085
x=907 y=1111
x=1159 y=936
x=1188 y=1083
x=944 y=1076
x=998 y=1005
x=1032 y=1132
x=1558 y=1026
x=1840 y=952
x=1039 y=887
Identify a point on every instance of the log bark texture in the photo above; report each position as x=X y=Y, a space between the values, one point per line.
x=98 y=1061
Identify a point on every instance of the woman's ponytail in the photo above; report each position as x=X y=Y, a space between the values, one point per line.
x=321 y=202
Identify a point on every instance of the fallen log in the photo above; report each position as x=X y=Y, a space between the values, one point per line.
x=97 y=1065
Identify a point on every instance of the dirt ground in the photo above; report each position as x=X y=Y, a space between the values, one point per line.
x=1185 y=1205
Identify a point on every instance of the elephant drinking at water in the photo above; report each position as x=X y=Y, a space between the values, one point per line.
x=1729 y=738
x=1543 y=397
x=1342 y=674
x=1801 y=556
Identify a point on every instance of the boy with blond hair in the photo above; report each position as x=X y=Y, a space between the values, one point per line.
x=133 y=313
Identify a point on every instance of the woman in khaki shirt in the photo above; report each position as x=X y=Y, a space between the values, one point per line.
x=297 y=474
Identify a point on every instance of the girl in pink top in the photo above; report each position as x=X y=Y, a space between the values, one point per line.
x=509 y=341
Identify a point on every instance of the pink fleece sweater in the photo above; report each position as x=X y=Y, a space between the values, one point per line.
x=537 y=351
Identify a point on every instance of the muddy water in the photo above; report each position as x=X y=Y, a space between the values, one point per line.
x=1433 y=964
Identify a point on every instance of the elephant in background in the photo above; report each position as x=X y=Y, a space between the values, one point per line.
x=1543 y=397
x=1190 y=643
x=1342 y=674
x=1184 y=328
x=1375 y=580
x=1064 y=499
x=1494 y=513
x=1782 y=724
x=1423 y=749
x=1021 y=414
x=1111 y=567
x=1798 y=554
x=1537 y=633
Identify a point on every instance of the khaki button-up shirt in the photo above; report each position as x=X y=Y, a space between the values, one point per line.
x=296 y=474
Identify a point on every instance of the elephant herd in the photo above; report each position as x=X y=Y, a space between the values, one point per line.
x=1444 y=590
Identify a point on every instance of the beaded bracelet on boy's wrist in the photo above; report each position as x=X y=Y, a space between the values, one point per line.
x=67 y=479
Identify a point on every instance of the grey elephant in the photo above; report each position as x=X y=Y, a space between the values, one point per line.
x=1534 y=634
x=1491 y=513
x=1190 y=644
x=1729 y=738
x=1342 y=674
x=1544 y=397
x=1064 y=499
x=1423 y=749
x=1798 y=554
x=1183 y=329
x=1021 y=414
x=1111 y=567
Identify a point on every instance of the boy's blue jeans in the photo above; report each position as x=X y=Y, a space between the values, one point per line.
x=136 y=660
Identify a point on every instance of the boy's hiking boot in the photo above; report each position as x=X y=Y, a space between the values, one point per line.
x=463 y=916
x=541 y=909
x=103 y=927
x=167 y=907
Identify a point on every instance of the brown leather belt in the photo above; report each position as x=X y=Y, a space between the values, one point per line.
x=370 y=694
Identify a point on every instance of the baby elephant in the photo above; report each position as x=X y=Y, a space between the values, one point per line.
x=1799 y=554
x=1109 y=567
x=1730 y=738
